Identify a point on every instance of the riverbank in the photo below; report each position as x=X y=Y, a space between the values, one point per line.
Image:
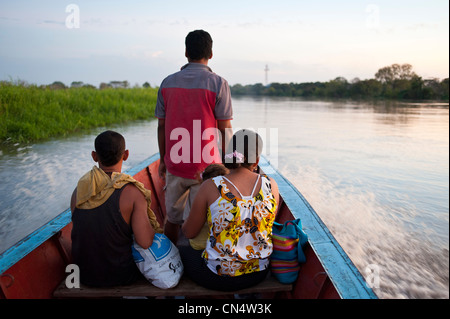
x=395 y=82
x=339 y=88
x=31 y=113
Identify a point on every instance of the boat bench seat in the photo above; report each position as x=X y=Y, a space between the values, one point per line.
x=186 y=288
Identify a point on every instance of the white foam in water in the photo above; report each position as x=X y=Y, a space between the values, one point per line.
x=409 y=267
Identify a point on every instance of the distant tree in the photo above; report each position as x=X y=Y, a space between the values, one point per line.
x=391 y=82
x=104 y=86
x=271 y=91
x=119 y=84
x=437 y=89
x=57 y=85
x=412 y=89
x=388 y=74
x=257 y=89
x=76 y=84
x=146 y=85
x=372 y=88
x=433 y=84
x=384 y=75
x=443 y=93
x=404 y=72
x=337 y=88
x=238 y=89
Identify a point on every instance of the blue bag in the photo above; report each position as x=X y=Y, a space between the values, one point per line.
x=288 y=241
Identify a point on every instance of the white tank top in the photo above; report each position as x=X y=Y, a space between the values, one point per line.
x=240 y=229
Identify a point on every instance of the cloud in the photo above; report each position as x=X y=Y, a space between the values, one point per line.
x=155 y=54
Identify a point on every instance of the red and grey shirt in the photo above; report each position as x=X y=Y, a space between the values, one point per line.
x=192 y=101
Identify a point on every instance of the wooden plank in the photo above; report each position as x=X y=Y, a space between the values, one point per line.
x=185 y=287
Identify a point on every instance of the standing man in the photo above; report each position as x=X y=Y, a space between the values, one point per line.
x=191 y=104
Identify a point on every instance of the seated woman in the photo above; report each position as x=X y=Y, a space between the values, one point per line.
x=240 y=209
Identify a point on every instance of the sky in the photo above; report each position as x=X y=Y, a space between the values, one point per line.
x=143 y=40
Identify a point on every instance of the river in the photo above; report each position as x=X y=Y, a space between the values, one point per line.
x=376 y=173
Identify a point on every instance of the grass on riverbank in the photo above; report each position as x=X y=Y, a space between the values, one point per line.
x=31 y=113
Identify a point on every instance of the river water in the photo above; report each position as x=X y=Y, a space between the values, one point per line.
x=376 y=173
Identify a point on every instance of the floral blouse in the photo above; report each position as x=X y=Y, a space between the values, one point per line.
x=240 y=230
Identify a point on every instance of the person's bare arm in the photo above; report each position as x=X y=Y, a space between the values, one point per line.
x=197 y=216
x=162 y=146
x=275 y=193
x=140 y=224
x=225 y=126
x=73 y=200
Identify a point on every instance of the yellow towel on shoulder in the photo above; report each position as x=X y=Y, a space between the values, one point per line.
x=95 y=187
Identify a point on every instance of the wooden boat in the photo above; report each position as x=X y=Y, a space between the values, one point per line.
x=36 y=265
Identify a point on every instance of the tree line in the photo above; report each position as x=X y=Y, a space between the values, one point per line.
x=58 y=85
x=390 y=82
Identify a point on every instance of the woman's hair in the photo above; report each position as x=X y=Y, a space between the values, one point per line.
x=109 y=147
x=243 y=150
x=198 y=45
x=214 y=170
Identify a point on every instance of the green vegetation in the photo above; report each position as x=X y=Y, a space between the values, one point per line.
x=30 y=113
x=396 y=82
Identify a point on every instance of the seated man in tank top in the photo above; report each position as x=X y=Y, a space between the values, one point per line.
x=240 y=209
x=108 y=208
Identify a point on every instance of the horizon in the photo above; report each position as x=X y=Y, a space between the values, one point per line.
x=143 y=41
x=141 y=85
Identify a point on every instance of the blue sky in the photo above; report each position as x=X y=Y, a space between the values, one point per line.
x=300 y=41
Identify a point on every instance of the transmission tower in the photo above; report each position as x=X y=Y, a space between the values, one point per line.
x=267 y=74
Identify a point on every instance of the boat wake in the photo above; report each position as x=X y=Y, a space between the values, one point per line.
x=410 y=263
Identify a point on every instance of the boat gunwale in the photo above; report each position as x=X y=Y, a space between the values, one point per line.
x=344 y=275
